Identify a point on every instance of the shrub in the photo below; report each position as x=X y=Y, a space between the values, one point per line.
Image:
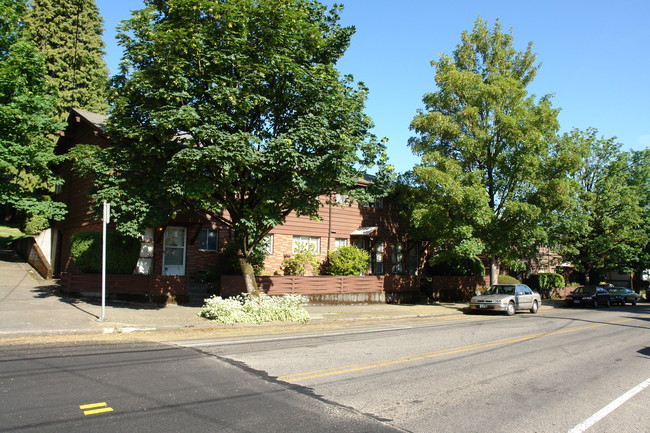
x=507 y=279
x=34 y=224
x=445 y=263
x=545 y=282
x=122 y=252
x=301 y=261
x=347 y=260
x=250 y=309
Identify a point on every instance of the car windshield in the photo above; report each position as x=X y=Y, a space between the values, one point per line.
x=500 y=290
x=585 y=290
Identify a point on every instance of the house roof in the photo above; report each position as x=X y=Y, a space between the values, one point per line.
x=98 y=121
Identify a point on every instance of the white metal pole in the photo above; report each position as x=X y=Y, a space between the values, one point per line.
x=105 y=219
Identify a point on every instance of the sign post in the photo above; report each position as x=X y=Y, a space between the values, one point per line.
x=105 y=220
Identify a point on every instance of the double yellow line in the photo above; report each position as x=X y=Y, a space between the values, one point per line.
x=95 y=408
x=297 y=377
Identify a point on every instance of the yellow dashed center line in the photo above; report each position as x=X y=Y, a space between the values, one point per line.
x=416 y=357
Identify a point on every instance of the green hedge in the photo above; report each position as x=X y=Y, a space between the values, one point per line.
x=347 y=260
x=507 y=279
x=122 y=252
x=445 y=264
x=545 y=283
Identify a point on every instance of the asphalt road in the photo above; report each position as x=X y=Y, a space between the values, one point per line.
x=550 y=372
x=150 y=387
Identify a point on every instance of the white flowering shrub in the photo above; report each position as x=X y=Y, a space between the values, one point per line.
x=250 y=309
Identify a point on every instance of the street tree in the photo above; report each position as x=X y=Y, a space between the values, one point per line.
x=68 y=34
x=26 y=124
x=605 y=232
x=236 y=110
x=488 y=145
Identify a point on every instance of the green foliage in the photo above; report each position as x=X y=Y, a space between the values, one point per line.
x=122 y=252
x=255 y=309
x=489 y=161
x=302 y=261
x=606 y=231
x=8 y=234
x=68 y=34
x=232 y=108
x=447 y=263
x=545 y=283
x=26 y=122
x=34 y=224
x=348 y=260
x=507 y=279
x=229 y=264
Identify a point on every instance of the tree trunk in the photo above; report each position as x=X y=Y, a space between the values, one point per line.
x=494 y=270
x=249 y=275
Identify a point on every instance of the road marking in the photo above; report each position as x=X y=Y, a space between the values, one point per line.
x=95 y=408
x=609 y=408
x=291 y=337
x=441 y=352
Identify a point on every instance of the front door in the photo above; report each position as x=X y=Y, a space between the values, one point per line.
x=174 y=253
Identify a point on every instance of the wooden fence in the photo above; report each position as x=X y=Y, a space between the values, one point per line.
x=327 y=288
x=155 y=288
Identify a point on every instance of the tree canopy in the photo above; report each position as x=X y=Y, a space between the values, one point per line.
x=26 y=122
x=489 y=168
x=232 y=109
x=68 y=34
x=606 y=231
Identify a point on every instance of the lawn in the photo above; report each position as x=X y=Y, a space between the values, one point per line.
x=9 y=233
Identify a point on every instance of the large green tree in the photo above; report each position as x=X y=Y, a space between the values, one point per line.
x=233 y=109
x=26 y=122
x=68 y=33
x=606 y=231
x=488 y=145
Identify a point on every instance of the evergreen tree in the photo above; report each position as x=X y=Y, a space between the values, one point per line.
x=68 y=33
x=26 y=122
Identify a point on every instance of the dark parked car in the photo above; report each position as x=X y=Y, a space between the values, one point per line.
x=589 y=296
x=623 y=295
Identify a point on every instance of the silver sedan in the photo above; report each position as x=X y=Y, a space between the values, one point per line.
x=507 y=298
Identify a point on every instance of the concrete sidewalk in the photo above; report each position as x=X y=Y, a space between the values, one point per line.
x=31 y=306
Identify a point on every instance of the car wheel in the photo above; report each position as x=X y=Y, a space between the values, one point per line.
x=534 y=308
x=510 y=310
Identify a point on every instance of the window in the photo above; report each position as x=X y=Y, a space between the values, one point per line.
x=378 y=203
x=208 y=240
x=414 y=259
x=310 y=242
x=378 y=262
x=340 y=242
x=268 y=240
x=397 y=256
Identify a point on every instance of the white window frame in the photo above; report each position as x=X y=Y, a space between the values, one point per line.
x=205 y=240
x=269 y=243
x=302 y=241
x=378 y=262
x=397 y=258
x=340 y=242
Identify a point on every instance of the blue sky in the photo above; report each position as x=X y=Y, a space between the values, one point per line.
x=595 y=58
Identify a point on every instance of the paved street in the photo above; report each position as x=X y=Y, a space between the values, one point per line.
x=528 y=373
x=419 y=368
